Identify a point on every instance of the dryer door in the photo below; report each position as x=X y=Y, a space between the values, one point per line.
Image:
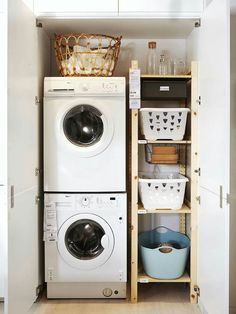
x=85 y=241
x=87 y=129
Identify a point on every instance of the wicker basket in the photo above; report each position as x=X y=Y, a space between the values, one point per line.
x=86 y=54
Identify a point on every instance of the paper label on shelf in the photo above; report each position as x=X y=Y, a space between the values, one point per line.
x=134 y=103
x=143 y=280
x=142 y=211
x=142 y=141
x=134 y=83
x=164 y=88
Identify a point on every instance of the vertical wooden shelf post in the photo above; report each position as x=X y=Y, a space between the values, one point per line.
x=134 y=207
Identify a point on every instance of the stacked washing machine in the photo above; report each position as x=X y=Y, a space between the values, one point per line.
x=85 y=218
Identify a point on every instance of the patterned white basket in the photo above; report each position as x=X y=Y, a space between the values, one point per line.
x=163 y=123
x=162 y=191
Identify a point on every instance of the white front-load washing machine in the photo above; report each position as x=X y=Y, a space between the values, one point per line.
x=85 y=245
x=84 y=134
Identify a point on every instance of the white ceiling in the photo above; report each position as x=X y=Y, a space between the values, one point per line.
x=128 y=28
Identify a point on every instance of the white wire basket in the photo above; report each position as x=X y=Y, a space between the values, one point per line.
x=162 y=191
x=163 y=123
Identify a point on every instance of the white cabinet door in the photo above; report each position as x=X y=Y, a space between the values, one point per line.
x=213 y=254
x=76 y=7
x=3 y=154
x=214 y=155
x=166 y=8
x=214 y=89
x=23 y=158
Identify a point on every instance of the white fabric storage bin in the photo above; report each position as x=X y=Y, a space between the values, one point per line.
x=162 y=191
x=163 y=123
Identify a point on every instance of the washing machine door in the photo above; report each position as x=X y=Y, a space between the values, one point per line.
x=85 y=241
x=88 y=129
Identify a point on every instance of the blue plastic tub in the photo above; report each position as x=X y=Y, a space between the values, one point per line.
x=164 y=252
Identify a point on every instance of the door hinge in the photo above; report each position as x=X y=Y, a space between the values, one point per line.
x=199 y=100
x=37 y=171
x=197 y=290
x=197 y=23
x=12 y=192
x=228 y=198
x=38 y=24
x=198 y=199
x=198 y=171
x=39 y=289
x=37 y=199
x=37 y=101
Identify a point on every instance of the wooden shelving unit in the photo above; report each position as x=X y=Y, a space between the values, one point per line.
x=184 y=210
x=143 y=278
x=187 y=76
x=144 y=142
x=189 y=208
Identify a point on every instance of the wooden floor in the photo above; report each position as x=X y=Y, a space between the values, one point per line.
x=153 y=299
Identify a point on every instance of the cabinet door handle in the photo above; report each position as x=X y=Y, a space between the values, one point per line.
x=221 y=196
x=12 y=196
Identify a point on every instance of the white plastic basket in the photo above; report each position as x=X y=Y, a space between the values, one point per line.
x=162 y=191
x=163 y=123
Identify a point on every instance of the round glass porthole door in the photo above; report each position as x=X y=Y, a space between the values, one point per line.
x=83 y=125
x=84 y=238
x=85 y=241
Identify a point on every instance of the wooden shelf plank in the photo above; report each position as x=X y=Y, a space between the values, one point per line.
x=187 y=76
x=164 y=142
x=143 y=278
x=184 y=210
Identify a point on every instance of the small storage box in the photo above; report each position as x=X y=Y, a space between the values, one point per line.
x=163 y=123
x=164 y=253
x=161 y=154
x=163 y=89
x=162 y=191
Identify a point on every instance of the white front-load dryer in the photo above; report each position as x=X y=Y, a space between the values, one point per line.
x=85 y=245
x=84 y=134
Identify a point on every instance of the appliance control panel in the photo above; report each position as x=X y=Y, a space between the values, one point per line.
x=101 y=86
x=97 y=201
x=110 y=87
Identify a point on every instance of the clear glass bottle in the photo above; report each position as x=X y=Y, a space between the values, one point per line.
x=163 y=66
x=152 y=58
x=179 y=67
x=168 y=61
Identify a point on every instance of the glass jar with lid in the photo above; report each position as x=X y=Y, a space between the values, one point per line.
x=152 y=67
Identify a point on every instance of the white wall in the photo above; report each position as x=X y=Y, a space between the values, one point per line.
x=29 y=4
x=192 y=46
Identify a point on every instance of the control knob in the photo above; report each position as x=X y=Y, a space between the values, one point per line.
x=85 y=201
